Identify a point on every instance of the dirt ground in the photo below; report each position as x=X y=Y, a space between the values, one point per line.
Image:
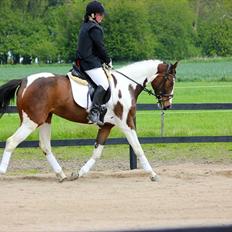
x=187 y=194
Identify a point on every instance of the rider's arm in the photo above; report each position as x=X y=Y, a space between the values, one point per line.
x=97 y=37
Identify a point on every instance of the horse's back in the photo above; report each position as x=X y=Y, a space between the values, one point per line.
x=40 y=93
x=42 y=85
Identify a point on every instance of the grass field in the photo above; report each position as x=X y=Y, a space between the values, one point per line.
x=218 y=69
x=177 y=123
x=198 y=81
x=197 y=92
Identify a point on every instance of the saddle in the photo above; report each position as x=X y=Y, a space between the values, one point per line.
x=83 y=89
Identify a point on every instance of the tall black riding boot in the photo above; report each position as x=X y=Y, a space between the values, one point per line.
x=96 y=109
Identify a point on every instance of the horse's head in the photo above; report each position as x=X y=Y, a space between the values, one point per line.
x=163 y=84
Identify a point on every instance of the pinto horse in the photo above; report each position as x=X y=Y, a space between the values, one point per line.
x=41 y=95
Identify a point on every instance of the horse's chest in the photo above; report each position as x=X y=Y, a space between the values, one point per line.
x=119 y=106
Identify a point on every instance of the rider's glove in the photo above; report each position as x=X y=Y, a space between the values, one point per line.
x=110 y=65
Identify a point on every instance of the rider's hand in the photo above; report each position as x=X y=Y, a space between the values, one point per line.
x=110 y=65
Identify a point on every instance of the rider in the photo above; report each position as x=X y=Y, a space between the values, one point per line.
x=91 y=54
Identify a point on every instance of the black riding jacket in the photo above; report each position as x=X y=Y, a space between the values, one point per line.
x=91 y=52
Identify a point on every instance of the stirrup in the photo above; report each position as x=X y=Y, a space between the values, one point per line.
x=95 y=116
x=97 y=122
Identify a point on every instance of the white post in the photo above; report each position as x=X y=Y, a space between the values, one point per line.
x=162 y=124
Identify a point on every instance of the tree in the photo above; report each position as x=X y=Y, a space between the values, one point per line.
x=171 y=22
x=215 y=28
x=134 y=29
x=128 y=33
x=63 y=23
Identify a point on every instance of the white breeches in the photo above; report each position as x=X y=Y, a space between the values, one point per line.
x=99 y=77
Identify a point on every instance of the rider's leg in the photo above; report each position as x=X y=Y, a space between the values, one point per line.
x=96 y=108
x=100 y=79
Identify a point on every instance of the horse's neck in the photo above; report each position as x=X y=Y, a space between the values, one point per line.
x=141 y=71
x=139 y=75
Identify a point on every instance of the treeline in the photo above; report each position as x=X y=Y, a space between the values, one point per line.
x=46 y=30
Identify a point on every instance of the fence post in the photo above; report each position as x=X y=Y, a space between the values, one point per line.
x=133 y=157
x=162 y=124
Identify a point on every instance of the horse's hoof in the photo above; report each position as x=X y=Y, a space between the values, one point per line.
x=2 y=172
x=1 y=175
x=60 y=180
x=74 y=176
x=155 y=178
x=61 y=177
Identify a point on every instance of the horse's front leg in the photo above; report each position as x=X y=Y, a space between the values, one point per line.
x=131 y=135
x=103 y=134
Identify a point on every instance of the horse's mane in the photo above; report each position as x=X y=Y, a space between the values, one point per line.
x=140 y=69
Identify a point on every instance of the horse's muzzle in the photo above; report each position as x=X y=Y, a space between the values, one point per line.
x=164 y=107
x=167 y=107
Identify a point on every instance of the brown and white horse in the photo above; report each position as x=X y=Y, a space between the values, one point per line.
x=41 y=95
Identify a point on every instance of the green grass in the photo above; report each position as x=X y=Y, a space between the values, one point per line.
x=8 y=72
x=24 y=172
x=177 y=123
x=205 y=70
x=197 y=92
x=217 y=69
x=157 y=153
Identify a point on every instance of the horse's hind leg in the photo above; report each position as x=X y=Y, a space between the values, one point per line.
x=45 y=144
x=26 y=128
x=103 y=134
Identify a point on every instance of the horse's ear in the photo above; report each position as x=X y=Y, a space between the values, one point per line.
x=175 y=65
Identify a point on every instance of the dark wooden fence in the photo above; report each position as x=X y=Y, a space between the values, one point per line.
x=143 y=140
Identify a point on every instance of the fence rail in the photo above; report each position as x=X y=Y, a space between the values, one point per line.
x=117 y=141
x=179 y=106
x=191 y=106
x=143 y=140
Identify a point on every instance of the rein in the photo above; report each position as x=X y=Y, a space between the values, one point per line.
x=158 y=96
x=143 y=87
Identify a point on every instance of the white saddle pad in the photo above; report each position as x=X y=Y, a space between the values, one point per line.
x=80 y=91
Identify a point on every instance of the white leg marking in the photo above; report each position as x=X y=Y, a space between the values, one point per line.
x=45 y=144
x=5 y=162
x=96 y=155
x=27 y=127
x=134 y=142
x=53 y=162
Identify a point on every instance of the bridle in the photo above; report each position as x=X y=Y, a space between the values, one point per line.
x=161 y=87
x=161 y=93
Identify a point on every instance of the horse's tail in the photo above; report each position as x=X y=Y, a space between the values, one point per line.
x=7 y=92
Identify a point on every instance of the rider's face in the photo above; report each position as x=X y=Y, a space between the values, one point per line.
x=99 y=17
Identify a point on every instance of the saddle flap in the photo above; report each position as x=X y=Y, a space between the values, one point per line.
x=80 y=91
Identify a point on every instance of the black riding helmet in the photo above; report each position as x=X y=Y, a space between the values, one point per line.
x=95 y=7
